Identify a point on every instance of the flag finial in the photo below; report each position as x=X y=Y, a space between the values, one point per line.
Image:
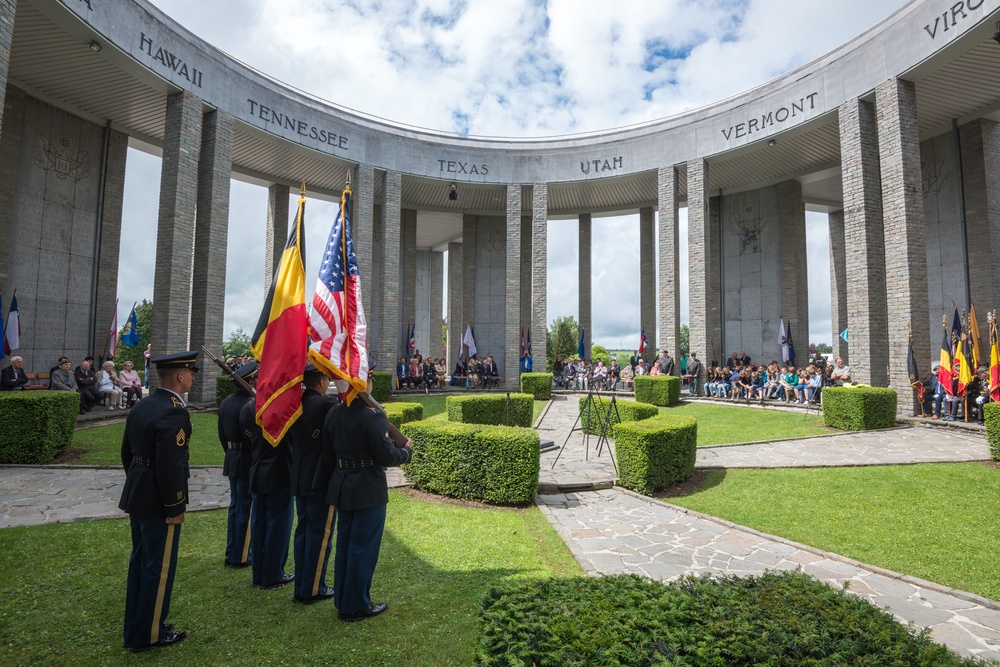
x=348 y=185
x=302 y=188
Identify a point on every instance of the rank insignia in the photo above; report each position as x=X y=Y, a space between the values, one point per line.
x=181 y=438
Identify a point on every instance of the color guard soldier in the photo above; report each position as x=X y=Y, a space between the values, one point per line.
x=155 y=457
x=314 y=531
x=236 y=467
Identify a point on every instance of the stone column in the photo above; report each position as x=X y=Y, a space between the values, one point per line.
x=539 y=279
x=437 y=292
x=525 y=319
x=647 y=275
x=705 y=301
x=512 y=296
x=363 y=224
x=468 y=274
x=374 y=285
x=980 y=145
x=669 y=325
x=208 y=294
x=8 y=8
x=905 y=233
x=111 y=235
x=408 y=290
x=586 y=290
x=455 y=326
x=276 y=233
x=175 y=226
x=390 y=337
x=838 y=284
x=865 y=255
x=794 y=276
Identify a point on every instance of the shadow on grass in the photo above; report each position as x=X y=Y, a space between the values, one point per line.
x=701 y=480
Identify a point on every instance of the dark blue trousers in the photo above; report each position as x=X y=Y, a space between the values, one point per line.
x=151 y=571
x=359 y=538
x=238 y=531
x=313 y=542
x=271 y=529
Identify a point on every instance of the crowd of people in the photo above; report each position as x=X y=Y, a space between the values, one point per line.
x=743 y=379
x=117 y=390
x=420 y=373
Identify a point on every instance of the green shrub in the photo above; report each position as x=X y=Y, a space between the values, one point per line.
x=382 y=382
x=655 y=454
x=778 y=618
x=991 y=414
x=859 y=408
x=657 y=389
x=35 y=426
x=401 y=413
x=491 y=409
x=627 y=411
x=224 y=388
x=492 y=464
x=538 y=385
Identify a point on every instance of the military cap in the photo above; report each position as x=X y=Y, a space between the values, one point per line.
x=187 y=359
x=63 y=360
x=248 y=371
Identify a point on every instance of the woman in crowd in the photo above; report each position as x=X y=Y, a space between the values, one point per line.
x=789 y=380
x=416 y=377
x=600 y=375
x=801 y=395
x=440 y=370
x=108 y=385
x=131 y=386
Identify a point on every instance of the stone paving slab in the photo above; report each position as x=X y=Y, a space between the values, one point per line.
x=667 y=542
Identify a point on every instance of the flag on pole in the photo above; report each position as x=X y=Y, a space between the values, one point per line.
x=12 y=334
x=945 y=375
x=978 y=355
x=783 y=338
x=130 y=336
x=470 y=341
x=406 y=343
x=411 y=342
x=791 y=346
x=528 y=347
x=113 y=334
x=642 y=340
x=280 y=340
x=994 y=364
x=580 y=349
x=956 y=332
x=339 y=328
x=963 y=361
x=911 y=369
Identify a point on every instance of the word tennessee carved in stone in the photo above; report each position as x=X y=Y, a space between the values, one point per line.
x=952 y=15
x=601 y=165
x=456 y=167
x=768 y=119
x=299 y=127
x=170 y=61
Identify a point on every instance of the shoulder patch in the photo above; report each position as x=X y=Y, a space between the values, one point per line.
x=386 y=435
x=181 y=438
x=175 y=402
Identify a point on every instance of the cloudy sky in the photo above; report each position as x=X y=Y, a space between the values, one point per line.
x=504 y=68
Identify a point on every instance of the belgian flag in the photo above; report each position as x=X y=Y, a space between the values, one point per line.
x=945 y=376
x=911 y=369
x=281 y=339
x=994 y=364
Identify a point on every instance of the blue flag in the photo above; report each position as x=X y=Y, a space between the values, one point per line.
x=579 y=348
x=130 y=336
x=788 y=337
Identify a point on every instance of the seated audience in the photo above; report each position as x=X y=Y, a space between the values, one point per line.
x=108 y=385
x=63 y=379
x=131 y=386
x=13 y=378
x=86 y=381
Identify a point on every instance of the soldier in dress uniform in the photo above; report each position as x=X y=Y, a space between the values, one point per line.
x=155 y=457
x=314 y=531
x=357 y=447
x=270 y=487
x=236 y=467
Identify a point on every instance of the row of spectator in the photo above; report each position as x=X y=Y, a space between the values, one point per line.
x=120 y=390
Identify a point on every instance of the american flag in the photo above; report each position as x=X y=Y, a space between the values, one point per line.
x=337 y=319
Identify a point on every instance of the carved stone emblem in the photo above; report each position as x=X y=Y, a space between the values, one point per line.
x=62 y=159
x=748 y=225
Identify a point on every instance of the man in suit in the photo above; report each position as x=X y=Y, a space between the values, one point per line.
x=13 y=377
x=270 y=487
x=236 y=466
x=491 y=372
x=402 y=372
x=314 y=530
x=86 y=381
x=155 y=456
x=357 y=447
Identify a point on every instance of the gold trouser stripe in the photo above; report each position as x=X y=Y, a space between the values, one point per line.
x=322 y=549
x=246 y=540
x=168 y=549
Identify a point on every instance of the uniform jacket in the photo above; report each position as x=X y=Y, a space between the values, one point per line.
x=238 y=459
x=12 y=378
x=307 y=443
x=157 y=431
x=269 y=468
x=357 y=434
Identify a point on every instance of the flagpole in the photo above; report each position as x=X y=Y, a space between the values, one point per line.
x=107 y=339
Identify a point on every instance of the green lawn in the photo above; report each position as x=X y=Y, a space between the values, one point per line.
x=435 y=406
x=724 y=424
x=102 y=444
x=933 y=521
x=62 y=592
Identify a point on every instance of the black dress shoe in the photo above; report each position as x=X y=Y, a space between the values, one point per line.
x=229 y=563
x=325 y=593
x=373 y=609
x=166 y=639
x=166 y=626
x=285 y=579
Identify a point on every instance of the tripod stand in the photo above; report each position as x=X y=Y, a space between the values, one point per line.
x=592 y=410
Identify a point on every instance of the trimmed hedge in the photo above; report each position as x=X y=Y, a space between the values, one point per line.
x=628 y=411
x=991 y=415
x=490 y=408
x=655 y=454
x=859 y=408
x=35 y=426
x=777 y=618
x=492 y=464
x=401 y=413
x=382 y=382
x=538 y=385
x=657 y=389
x=224 y=388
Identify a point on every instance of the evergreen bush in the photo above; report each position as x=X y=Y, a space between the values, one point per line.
x=492 y=464
x=224 y=388
x=991 y=415
x=859 y=408
x=382 y=382
x=627 y=411
x=538 y=385
x=657 y=389
x=656 y=453
x=35 y=426
x=491 y=409
x=401 y=413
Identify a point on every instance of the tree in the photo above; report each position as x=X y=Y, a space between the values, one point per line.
x=600 y=352
x=564 y=336
x=685 y=340
x=144 y=316
x=238 y=344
